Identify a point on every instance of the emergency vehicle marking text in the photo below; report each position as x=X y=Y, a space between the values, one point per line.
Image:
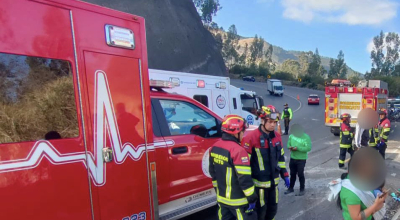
x=105 y=123
x=350 y=105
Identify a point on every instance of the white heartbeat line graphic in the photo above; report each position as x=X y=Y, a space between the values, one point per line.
x=105 y=120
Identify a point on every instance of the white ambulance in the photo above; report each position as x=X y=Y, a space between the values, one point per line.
x=215 y=92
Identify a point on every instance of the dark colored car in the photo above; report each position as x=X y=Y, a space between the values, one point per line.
x=249 y=78
x=313 y=99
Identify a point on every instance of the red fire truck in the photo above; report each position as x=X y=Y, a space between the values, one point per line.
x=83 y=133
x=343 y=97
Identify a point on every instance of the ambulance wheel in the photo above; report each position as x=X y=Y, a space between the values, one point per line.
x=271 y=93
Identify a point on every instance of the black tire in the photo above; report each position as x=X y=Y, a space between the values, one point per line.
x=281 y=94
x=271 y=93
x=254 y=80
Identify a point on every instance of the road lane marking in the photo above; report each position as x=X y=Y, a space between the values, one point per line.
x=296 y=100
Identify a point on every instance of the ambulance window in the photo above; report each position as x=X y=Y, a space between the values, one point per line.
x=37 y=99
x=203 y=99
x=234 y=103
x=184 y=118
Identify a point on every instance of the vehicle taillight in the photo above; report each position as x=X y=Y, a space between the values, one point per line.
x=331 y=108
x=369 y=101
x=331 y=100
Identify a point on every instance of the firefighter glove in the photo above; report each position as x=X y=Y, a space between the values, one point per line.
x=287 y=182
x=251 y=208
x=380 y=145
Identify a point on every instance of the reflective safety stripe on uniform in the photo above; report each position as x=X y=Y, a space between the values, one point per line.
x=228 y=182
x=341 y=161
x=266 y=184
x=245 y=170
x=282 y=152
x=277 y=194
x=239 y=214
x=260 y=159
x=214 y=182
x=282 y=164
x=249 y=191
x=345 y=145
x=219 y=213
x=232 y=202
x=262 y=202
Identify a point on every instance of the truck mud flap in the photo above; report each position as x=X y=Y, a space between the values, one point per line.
x=188 y=205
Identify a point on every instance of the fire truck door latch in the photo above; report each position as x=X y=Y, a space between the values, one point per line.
x=107 y=155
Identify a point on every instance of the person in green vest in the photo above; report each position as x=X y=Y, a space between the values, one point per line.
x=299 y=144
x=287 y=116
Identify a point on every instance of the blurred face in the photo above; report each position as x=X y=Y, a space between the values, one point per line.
x=381 y=116
x=270 y=124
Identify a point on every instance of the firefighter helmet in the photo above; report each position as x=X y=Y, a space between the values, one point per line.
x=345 y=117
x=268 y=112
x=383 y=111
x=233 y=124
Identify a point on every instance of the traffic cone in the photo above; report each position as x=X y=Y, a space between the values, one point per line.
x=298 y=97
x=279 y=128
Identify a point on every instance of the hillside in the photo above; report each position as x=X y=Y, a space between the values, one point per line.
x=279 y=54
x=176 y=37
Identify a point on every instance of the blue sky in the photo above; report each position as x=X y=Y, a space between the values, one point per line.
x=330 y=25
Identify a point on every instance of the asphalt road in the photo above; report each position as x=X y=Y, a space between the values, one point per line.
x=322 y=164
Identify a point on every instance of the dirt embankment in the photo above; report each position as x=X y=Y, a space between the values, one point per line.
x=176 y=38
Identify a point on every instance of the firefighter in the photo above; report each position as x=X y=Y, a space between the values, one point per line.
x=267 y=162
x=231 y=173
x=383 y=132
x=287 y=116
x=346 y=139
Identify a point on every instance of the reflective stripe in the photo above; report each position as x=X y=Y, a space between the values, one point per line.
x=384 y=136
x=228 y=182
x=249 y=191
x=341 y=161
x=372 y=144
x=246 y=170
x=282 y=164
x=215 y=184
x=282 y=152
x=262 y=202
x=277 y=194
x=239 y=214
x=232 y=202
x=346 y=132
x=386 y=130
x=260 y=159
x=345 y=145
x=262 y=184
x=266 y=184
x=219 y=213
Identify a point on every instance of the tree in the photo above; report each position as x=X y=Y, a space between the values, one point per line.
x=207 y=9
x=231 y=46
x=332 y=70
x=338 y=67
x=243 y=58
x=219 y=41
x=292 y=67
x=256 y=49
x=304 y=58
x=315 y=64
x=385 y=54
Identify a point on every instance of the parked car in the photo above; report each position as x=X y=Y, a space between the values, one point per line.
x=249 y=78
x=313 y=99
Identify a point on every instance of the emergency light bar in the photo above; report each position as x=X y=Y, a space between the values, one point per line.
x=200 y=83
x=175 y=81
x=220 y=85
x=161 y=84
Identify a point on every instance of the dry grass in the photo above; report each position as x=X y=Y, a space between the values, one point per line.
x=47 y=106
